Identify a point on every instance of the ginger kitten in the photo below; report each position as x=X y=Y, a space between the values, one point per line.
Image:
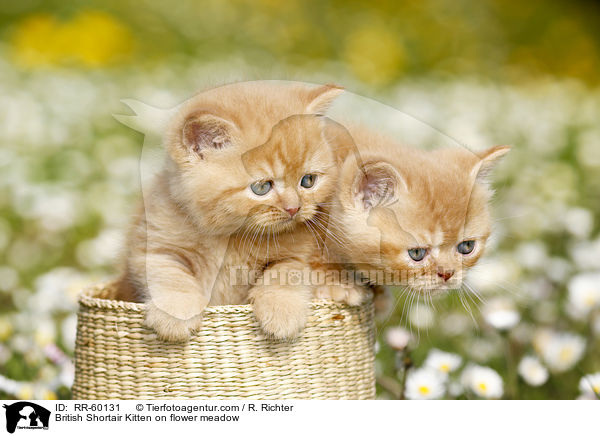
x=245 y=172
x=408 y=217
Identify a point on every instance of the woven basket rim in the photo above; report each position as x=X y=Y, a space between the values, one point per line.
x=118 y=357
x=89 y=298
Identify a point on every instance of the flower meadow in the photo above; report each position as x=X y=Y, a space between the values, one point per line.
x=526 y=326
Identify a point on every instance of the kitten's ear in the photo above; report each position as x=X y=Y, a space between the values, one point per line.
x=488 y=159
x=320 y=98
x=377 y=184
x=204 y=131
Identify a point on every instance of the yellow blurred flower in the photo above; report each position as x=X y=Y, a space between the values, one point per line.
x=5 y=329
x=26 y=392
x=375 y=54
x=90 y=39
x=49 y=395
x=44 y=336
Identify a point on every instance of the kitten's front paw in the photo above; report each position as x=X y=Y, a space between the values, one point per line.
x=168 y=327
x=351 y=295
x=281 y=313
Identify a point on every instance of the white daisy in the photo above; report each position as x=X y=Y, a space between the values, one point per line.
x=589 y=385
x=501 y=314
x=579 y=222
x=482 y=381
x=533 y=255
x=424 y=384
x=561 y=351
x=9 y=386
x=55 y=290
x=442 y=361
x=482 y=350
x=455 y=324
x=398 y=338
x=584 y=294
x=586 y=254
x=558 y=269
x=532 y=371
x=421 y=316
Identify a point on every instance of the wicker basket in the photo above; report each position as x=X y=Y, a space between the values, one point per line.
x=116 y=357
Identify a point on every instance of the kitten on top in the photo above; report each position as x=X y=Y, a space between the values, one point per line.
x=229 y=196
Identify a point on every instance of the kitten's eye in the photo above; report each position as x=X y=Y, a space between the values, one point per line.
x=261 y=188
x=465 y=247
x=308 y=180
x=417 y=254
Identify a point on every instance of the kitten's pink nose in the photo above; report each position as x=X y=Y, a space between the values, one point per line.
x=292 y=210
x=445 y=275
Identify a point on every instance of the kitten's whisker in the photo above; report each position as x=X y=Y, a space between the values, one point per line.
x=410 y=308
x=391 y=312
x=276 y=242
x=431 y=303
x=406 y=298
x=474 y=292
x=327 y=217
x=516 y=291
x=328 y=220
x=312 y=232
x=512 y=217
x=322 y=241
x=327 y=233
x=417 y=303
x=251 y=244
x=407 y=307
x=261 y=239
x=268 y=243
x=310 y=229
x=258 y=249
x=467 y=309
x=246 y=236
x=254 y=240
x=469 y=297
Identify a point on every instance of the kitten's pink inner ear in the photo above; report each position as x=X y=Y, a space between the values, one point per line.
x=488 y=159
x=378 y=184
x=206 y=131
x=320 y=98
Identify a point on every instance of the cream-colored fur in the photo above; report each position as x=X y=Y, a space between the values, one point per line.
x=203 y=222
x=393 y=198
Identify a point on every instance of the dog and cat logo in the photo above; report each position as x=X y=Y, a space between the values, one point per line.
x=26 y=415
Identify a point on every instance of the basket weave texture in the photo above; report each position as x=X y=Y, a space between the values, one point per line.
x=116 y=357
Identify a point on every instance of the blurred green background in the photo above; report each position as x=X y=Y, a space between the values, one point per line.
x=488 y=72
